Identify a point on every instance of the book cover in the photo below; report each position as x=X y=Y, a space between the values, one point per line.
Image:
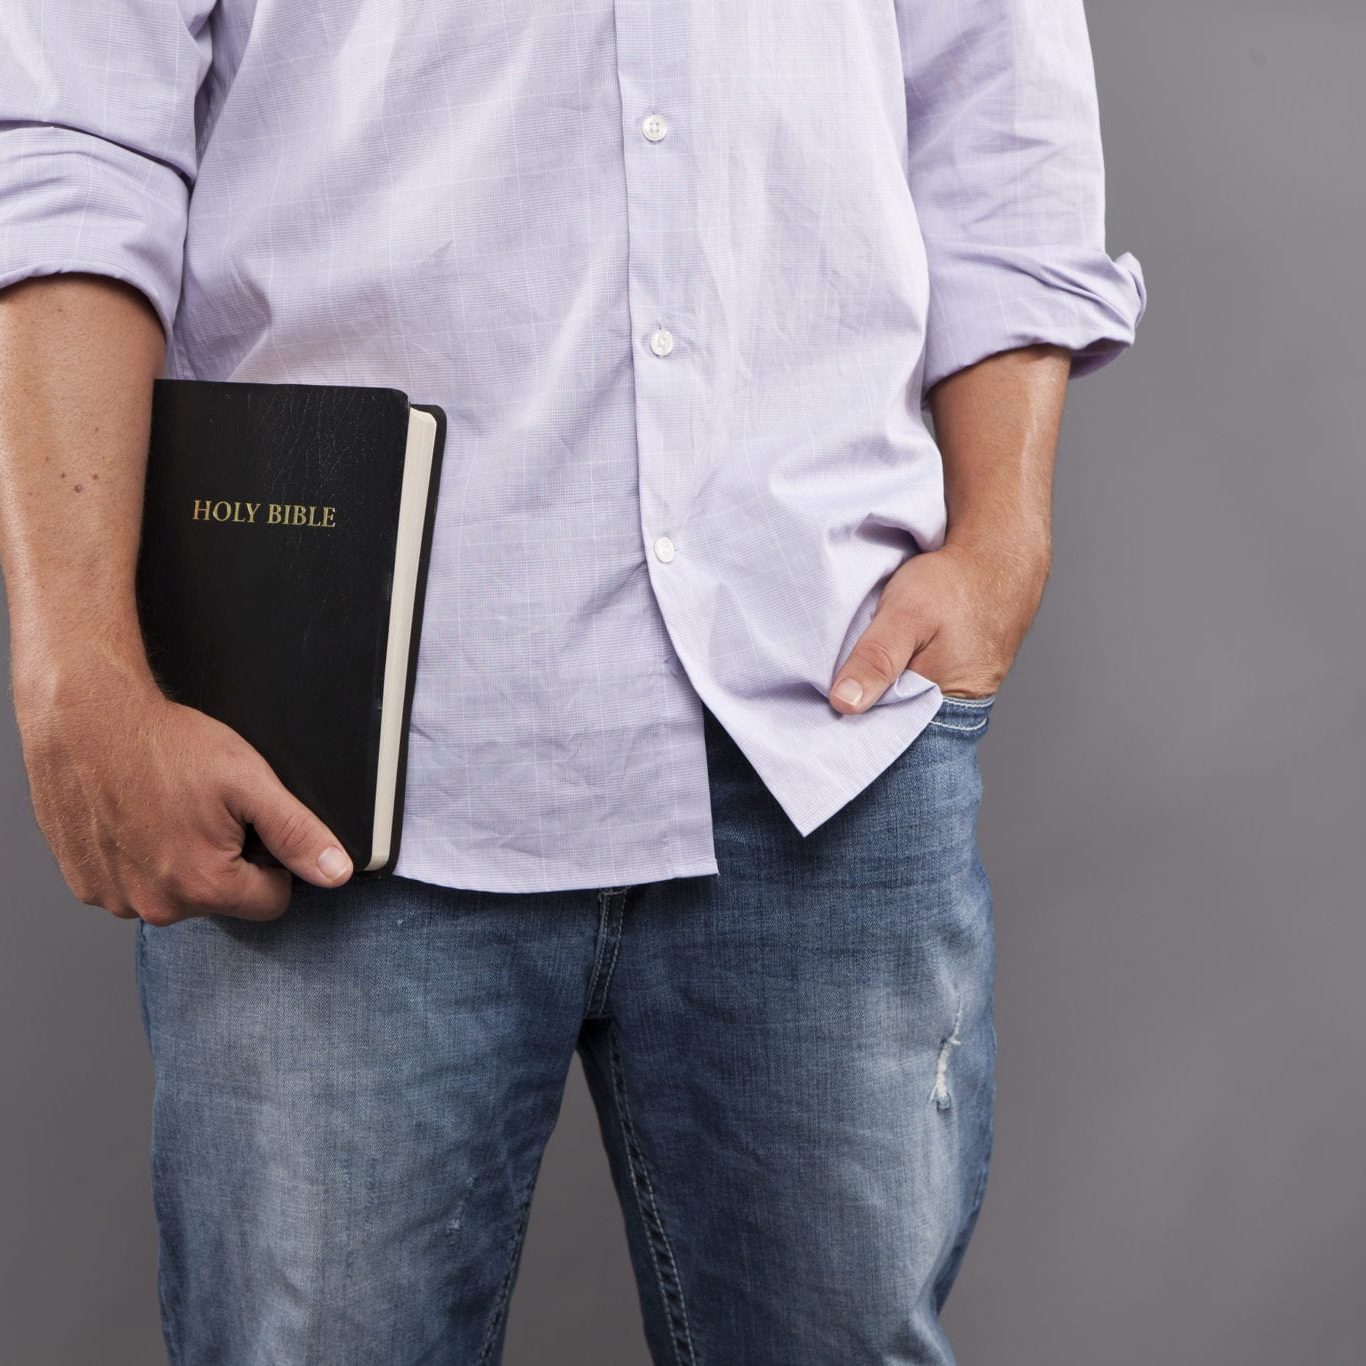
x=281 y=574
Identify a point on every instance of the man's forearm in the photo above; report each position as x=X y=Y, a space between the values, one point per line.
x=959 y=614
x=78 y=354
x=997 y=425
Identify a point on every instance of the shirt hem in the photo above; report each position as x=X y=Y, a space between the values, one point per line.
x=422 y=870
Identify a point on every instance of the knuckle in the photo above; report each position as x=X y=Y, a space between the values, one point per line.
x=295 y=831
x=92 y=891
x=878 y=656
x=86 y=893
x=271 y=908
x=903 y=617
x=170 y=883
x=159 y=914
x=175 y=884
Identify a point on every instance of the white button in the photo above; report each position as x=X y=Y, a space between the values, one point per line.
x=661 y=341
x=664 y=549
x=654 y=127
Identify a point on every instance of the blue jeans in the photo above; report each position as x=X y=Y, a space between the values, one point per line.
x=792 y=1063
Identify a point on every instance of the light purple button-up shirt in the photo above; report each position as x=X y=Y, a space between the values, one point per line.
x=679 y=271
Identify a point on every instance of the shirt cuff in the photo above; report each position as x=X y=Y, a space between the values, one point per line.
x=72 y=201
x=988 y=299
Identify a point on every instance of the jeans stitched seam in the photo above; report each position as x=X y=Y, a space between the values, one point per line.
x=643 y=1188
x=946 y=725
x=170 y=1316
x=168 y=1311
x=979 y=1194
x=504 y=1290
x=979 y=1190
x=605 y=922
x=617 y=915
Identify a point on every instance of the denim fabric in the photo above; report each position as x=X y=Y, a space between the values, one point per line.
x=792 y=1062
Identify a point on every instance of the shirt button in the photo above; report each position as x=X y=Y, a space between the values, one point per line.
x=654 y=127
x=664 y=549
x=661 y=341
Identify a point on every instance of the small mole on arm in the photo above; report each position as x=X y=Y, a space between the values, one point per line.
x=79 y=487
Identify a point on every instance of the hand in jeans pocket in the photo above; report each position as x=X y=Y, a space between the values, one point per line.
x=945 y=615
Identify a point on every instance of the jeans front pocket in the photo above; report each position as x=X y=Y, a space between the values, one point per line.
x=966 y=715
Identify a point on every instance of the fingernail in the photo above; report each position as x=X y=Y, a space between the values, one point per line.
x=332 y=862
x=849 y=690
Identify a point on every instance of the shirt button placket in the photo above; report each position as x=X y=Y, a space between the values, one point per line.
x=657 y=201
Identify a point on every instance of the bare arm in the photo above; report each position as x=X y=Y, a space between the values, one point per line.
x=959 y=614
x=78 y=355
x=143 y=801
x=1005 y=164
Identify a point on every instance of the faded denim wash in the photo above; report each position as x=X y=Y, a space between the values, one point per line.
x=792 y=1062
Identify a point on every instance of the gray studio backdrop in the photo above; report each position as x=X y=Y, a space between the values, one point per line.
x=1174 y=819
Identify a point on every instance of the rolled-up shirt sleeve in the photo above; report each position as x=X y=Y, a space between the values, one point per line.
x=98 y=142
x=1007 y=175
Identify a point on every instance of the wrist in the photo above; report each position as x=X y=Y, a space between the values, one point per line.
x=1025 y=549
x=50 y=677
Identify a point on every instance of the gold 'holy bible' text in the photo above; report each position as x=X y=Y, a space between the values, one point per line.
x=276 y=514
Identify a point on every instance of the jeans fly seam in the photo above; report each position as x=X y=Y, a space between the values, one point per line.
x=675 y=1307
x=611 y=899
x=599 y=950
x=612 y=961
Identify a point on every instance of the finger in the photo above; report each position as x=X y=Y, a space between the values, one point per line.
x=290 y=830
x=874 y=664
x=251 y=892
x=213 y=884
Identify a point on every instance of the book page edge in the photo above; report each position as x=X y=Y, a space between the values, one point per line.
x=417 y=472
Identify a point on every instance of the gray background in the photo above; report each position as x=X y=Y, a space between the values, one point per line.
x=1173 y=818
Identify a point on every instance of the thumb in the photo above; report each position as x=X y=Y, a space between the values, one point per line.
x=874 y=664
x=291 y=831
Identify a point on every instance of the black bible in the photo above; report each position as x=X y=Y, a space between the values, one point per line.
x=282 y=566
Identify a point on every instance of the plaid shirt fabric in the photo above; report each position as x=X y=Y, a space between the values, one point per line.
x=680 y=272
